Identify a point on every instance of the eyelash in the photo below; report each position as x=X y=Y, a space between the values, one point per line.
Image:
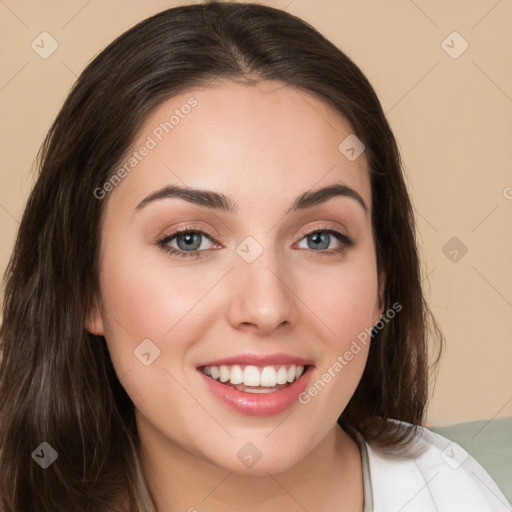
x=346 y=242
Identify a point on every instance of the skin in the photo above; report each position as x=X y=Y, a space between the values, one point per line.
x=263 y=146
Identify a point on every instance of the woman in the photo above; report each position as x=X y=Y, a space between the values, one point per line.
x=214 y=299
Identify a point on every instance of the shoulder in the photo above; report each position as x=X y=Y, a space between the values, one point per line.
x=434 y=475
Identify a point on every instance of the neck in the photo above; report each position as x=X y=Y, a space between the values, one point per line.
x=328 y=478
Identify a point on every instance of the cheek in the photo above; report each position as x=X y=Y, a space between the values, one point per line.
x=145 y=299
x=146 y=294
x=344 y=299
x=345 y=306
x=143 y=330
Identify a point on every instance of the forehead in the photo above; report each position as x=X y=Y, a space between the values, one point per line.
x=253 y=142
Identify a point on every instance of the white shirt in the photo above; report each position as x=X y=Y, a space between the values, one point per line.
x=437 y=475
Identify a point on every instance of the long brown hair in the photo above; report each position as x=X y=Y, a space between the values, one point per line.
x=57 y=383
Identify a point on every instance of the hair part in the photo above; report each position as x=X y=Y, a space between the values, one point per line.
x=57 y=381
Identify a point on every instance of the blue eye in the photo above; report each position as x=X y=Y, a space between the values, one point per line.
x=190 y=243
x=320 y=240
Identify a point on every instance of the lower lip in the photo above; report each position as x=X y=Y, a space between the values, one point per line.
x=259 y=404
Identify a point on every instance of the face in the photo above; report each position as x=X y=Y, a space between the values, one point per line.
x=209 y=329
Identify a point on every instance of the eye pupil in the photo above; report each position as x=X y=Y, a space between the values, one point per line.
x=191 y=240
x=320 y=238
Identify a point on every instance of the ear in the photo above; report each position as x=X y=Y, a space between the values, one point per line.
x=94 y=320
x=381 y=288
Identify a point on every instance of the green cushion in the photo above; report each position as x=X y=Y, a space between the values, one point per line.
x=490 y=443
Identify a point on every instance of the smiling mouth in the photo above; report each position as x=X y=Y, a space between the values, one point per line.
x=255 y=379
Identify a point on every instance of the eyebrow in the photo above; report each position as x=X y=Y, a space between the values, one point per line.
x=218 y=201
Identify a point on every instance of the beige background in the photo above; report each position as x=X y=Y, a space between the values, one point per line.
x=452 y=118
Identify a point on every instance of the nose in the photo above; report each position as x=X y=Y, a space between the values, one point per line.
x=261 y=295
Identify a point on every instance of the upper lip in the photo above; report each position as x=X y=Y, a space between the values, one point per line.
x=259 y=360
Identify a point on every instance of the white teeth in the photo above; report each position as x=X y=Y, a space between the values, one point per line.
x=223 y=373
x=254 y=376
x=281 y=376
x=236 y=375
x=251 y=376
x=268 y=377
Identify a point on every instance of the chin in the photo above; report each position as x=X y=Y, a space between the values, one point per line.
x=256 y=458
